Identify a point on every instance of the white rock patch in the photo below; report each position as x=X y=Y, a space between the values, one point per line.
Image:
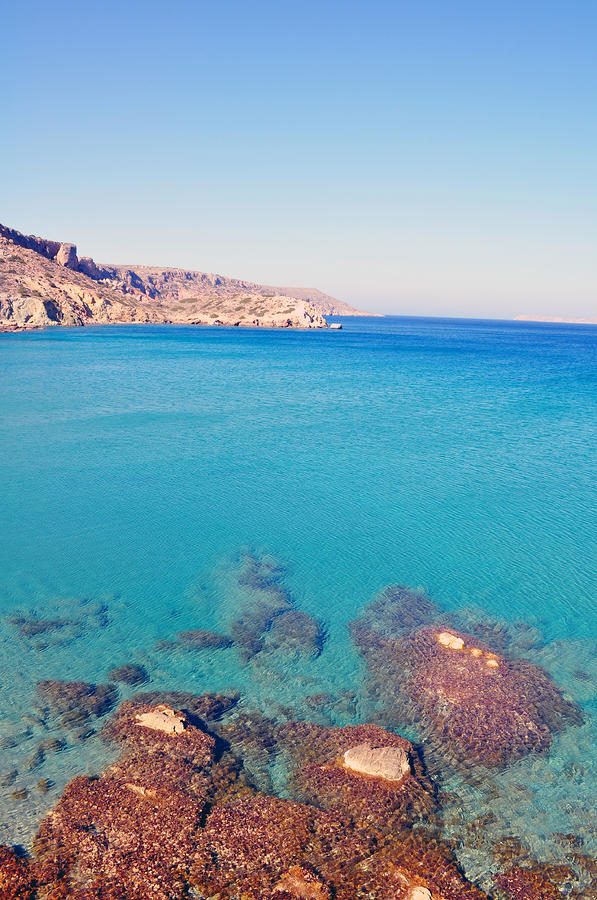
x=390 y=763
x=450 y=640
x=162 y=718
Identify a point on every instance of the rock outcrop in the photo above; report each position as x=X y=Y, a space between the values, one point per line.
x=73 y=703
x=264 y=848
x=360 y=770
x=473 y=705
x=45 y=283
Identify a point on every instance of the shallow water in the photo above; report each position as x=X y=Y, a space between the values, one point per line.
x=138 y=464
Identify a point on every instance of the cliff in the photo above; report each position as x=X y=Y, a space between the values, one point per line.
x=44 y=282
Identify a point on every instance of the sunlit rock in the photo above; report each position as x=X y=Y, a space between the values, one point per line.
x=389 y=763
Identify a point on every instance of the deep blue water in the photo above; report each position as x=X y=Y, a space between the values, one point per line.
x=137 y=463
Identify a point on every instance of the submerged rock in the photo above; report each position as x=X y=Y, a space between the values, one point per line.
x=200 y=639
x=361 y=771
x=472 y=704
x=175 y=817
x=533 y=882
x=32 y=626
x=16 y=876
x=73 y=702
x=131 y=673
x=479 y=706
x=397 y=611
x=264 y=599
x=303 y=884
x=262 y=846
x=131 y=833
x=120 y=838
x=203 y=707
x=295 y=631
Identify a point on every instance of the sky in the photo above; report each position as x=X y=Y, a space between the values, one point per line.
x=423 y=158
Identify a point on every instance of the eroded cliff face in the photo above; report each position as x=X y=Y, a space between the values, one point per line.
x=39 y=287
x=44 y=282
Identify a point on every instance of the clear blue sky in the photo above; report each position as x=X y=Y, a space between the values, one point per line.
x=421 y=157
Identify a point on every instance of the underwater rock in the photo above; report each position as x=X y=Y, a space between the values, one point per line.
x=16 y=877
x=361 y=771
x=265 y=598
x=35 y=759
x=119 y=838
x=200 y=639
x=397 y=611
x=532 y=883
x=31 y=626
x=482 y=707
x=301 y=883
x=389 y=763
x=8 y=777
x=247 y=849
x=204 y=707
x=131 y=832
x=156 y=726
x=73 y=702
x=295 y=631
x=131 y=673
x=258 y=846
x=11 y=735
x=474 y=706
x=251 y=738
x=175 y=817
x=51 y=745
x=58 y=622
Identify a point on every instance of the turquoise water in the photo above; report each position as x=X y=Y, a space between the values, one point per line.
x=138 y=463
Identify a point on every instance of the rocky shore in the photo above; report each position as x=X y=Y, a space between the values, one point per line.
x=209 y=798
x=44 y=283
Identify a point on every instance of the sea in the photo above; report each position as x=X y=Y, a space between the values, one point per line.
x=139 y=466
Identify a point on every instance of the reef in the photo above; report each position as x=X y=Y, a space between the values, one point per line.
x=267 y=619
x=73 y=703
x=201 y=708
x=31 y=626
x=362 y=771
x=295 y=631
x=264 y=598
x=60 y=621
x=265 y=848
x=178 y=816
x=132 y=832
x=397 y=611
x=131 y=673
x=476 y=707
x=537 y=883
x=200 y=639
x=17 y=881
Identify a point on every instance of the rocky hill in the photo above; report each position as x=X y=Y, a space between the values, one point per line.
x=44 y=282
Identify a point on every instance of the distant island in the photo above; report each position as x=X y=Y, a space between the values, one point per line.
x=556 y=319
x=44 y=282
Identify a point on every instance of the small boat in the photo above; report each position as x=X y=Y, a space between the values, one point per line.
x=336 y=325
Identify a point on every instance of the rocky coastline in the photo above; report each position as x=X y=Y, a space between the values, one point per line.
x=45 y=283
x=209 y=798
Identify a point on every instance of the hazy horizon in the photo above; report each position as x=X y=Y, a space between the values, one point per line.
x=416 y=161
